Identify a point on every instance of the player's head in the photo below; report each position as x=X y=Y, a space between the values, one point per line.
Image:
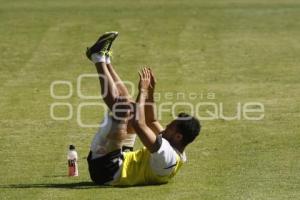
x=183 y=130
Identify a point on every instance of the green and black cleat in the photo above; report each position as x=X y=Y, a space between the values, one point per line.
x=102 y=45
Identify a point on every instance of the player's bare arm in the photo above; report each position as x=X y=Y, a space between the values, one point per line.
x=146 y=135
x=150 y=107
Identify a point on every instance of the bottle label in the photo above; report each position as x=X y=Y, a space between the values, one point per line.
x=72 y=168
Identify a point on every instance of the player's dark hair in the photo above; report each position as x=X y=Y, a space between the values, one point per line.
x=188 y=126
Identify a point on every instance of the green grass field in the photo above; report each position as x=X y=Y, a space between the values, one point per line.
x=242 y=51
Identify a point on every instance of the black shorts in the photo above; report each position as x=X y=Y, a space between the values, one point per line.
x=103 y=169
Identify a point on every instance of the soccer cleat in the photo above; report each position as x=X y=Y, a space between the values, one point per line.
x=102 y=44
x=109 y=52
x=109 y=46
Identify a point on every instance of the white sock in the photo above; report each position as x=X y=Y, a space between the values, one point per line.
x=107 y=60
x=96 y=58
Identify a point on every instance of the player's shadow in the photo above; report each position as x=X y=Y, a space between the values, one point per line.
x=77 y=185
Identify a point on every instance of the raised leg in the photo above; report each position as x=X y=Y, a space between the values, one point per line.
x=122 y=89
x=113 y=92
x=109 y=90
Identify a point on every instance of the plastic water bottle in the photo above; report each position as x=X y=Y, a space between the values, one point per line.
x=72 y=161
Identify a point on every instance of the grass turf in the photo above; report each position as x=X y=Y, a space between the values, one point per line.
x=241 y=50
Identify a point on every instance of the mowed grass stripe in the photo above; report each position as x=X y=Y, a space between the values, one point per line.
x=38 y=140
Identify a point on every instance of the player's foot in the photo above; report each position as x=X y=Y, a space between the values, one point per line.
x=102 y=44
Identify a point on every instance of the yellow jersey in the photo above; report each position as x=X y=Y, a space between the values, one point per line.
x=136 y=169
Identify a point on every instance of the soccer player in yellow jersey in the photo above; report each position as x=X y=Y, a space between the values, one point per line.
x=112 y=160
